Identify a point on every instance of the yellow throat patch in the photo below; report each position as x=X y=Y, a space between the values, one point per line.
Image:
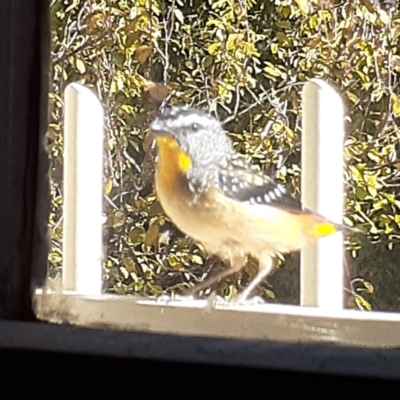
x=172 y=160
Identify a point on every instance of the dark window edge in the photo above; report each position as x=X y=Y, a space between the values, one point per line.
x=24 y=195
x=293 y=357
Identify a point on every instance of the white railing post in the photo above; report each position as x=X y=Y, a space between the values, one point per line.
x=83 y=191
x=322 y=192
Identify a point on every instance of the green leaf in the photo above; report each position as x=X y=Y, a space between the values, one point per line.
x=137 y=234
x=152 y=235
x=361 y=193
x=178 y=15
x=197 y=259
x=273 y=72
x=395 y=104
x=304 y=6
x=174 y=261
x=80 y=66
x=361 y=302
x=129 y=264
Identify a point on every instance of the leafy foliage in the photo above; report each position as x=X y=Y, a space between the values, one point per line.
x=246 y=61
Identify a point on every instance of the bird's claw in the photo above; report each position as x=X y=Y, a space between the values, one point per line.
x=240 y=300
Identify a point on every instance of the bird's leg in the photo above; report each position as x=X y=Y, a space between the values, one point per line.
x=266 y=263
x=237 y=262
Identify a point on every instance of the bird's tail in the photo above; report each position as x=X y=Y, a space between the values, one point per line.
x=346 y=228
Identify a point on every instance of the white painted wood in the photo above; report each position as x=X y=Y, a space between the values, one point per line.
x=83 y=191
x=322 y=192
x=273 y=322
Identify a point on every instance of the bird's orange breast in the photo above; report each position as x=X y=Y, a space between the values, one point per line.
x=173 y=163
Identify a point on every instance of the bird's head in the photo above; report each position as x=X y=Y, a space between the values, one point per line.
x=198 y=135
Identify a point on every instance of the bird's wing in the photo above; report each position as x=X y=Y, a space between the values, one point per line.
x=241 y=182
x=246 y=184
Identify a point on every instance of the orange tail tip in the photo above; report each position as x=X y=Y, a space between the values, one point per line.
x=325 y=229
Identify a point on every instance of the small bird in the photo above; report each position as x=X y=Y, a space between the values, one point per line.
x=212 y=194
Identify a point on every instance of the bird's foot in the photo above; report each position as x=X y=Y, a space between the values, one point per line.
x=243 y=300
x=173 y=297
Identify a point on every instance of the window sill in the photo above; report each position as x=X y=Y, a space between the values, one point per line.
x=282 y=338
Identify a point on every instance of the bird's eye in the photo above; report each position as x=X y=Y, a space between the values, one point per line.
x=195 y=127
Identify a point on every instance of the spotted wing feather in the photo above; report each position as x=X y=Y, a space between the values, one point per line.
x=242 y=184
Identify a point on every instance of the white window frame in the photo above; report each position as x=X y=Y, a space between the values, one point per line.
x=320 y=318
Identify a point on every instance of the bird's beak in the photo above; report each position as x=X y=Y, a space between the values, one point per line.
x=158 y=127
x=156 y=131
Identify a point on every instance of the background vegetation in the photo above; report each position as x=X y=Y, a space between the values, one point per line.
x=246 y=61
